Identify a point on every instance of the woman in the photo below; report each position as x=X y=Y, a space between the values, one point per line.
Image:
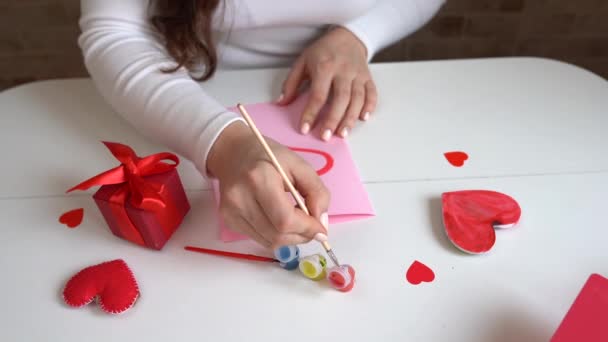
x=146 y=58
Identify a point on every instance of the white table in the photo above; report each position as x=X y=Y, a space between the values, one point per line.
x=550 y=157
x=513 y=117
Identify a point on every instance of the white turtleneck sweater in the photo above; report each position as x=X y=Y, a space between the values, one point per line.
x=124 y=55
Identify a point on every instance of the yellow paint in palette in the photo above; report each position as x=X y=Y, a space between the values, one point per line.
x=313 y=266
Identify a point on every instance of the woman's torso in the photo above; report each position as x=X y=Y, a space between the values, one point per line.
x=266 y=33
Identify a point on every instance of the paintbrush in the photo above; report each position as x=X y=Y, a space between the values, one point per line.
x=251 y=257
x=296 y=195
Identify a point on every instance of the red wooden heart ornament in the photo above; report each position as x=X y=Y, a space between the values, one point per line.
x=456 y=158
x=471 y=216
x=72 y=218
x=111 y=283
x=418 y=273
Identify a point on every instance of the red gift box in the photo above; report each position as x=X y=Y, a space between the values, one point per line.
x=143 y=199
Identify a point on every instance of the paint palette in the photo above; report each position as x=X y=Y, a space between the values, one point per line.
x=313 y=266
x=341 y=278
x=288 y=257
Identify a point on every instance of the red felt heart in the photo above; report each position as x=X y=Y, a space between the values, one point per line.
x=72 y=218
x=112 y=283
x=456 y=158
x=470 y=217
x=419 y=272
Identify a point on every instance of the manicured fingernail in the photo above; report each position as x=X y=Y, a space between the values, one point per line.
x=366 y=116
x=280 y=98
x=305 y=128
x=324 y=218
x=321 y=237
x=326 y=134
x=344 y=132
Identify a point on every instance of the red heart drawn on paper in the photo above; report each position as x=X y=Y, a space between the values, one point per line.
x=456 y=158
x=471 y=216
x=111 y=283
x=72 y=218
x=418 y=273
x=329 y=160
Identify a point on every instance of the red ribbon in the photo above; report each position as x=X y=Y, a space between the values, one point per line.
x=143 y=194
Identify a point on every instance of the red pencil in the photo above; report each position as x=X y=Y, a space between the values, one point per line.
x=230 y=254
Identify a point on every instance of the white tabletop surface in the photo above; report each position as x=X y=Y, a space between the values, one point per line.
x=514 y=116
x=518 y=292
x=535 y=129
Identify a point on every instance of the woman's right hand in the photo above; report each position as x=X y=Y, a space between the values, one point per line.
x=253 y=197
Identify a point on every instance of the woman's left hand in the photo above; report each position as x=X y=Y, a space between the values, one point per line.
x=336 y=65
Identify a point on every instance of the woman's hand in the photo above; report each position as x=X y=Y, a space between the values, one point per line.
x=254 y=200
x=337 y=64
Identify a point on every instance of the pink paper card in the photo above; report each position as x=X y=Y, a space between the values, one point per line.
x=332 y=160
x=587 y=319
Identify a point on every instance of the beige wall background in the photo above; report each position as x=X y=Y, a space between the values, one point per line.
x=38 y=37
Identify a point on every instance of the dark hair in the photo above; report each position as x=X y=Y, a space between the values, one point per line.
x=186 y=27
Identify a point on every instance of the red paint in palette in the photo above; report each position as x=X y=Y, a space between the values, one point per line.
x=456 y=158
x=341 y=278
x=418 y=273
x=72 y=218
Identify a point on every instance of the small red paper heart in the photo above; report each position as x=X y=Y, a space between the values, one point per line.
x=418 y=273
x=470 y=217
x=456 y=158
x=112 y=283
x=72 y=218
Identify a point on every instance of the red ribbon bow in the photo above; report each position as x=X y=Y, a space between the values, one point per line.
x=143 y=195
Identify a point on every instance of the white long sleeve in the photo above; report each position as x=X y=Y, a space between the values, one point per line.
x=124 y=55
x=391 y=20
